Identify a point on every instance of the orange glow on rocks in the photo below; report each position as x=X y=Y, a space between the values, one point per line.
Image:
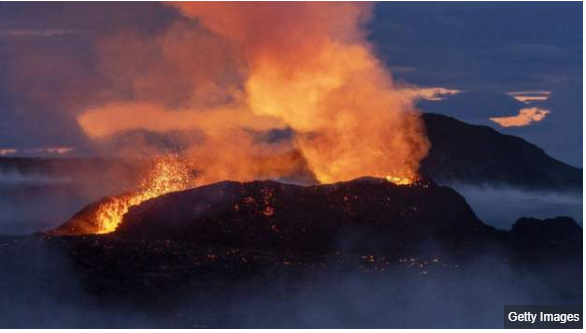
x=167 y=174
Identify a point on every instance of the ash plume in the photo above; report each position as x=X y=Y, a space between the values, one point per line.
x=229 y=71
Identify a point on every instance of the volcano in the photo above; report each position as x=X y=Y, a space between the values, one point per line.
x=208 y=256
x=226 y=245
x=366 y=215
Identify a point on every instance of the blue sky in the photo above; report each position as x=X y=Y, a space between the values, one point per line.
x=486 y=51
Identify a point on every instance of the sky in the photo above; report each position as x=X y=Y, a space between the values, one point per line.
x=516 y=67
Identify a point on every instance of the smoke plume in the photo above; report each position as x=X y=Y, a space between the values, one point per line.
x=229 y=71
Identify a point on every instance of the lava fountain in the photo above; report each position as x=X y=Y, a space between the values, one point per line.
x=168 y=173
x=312 y=74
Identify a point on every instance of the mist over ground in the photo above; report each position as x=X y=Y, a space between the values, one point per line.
x=31 y=202
x=49 y=290
x=37 y=202
x=501 y=206
x=42 y=285
x=28 y=204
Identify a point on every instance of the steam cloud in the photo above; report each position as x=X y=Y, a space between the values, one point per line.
x=229 y=71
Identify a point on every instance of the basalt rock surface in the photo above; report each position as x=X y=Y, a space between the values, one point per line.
x=364 y=215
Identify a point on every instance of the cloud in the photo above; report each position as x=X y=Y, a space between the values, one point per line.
x=511 y=109
x=98 y=123
x=219 y=71
x=7 y=151
x=430 y=93
x=38 y=151
x=48 y=59
x=514 y=203
x=525 y=117
x=16 y=33
x=530 y=96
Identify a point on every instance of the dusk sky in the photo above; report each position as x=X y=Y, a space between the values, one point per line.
x=521 y=62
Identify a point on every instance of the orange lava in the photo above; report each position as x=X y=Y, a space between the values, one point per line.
x=231 y=80
x=314 y=74
x=167 y=174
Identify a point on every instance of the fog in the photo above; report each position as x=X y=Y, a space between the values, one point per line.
x=501 y=206
x=48 y=290
x=34 y=202
x=42 y=286
x=15 y=178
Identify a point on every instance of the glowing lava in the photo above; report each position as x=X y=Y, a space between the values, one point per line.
x=313 y=78
x=401 y=180
x=312 y=86
x=171 y=174
x=167 y=174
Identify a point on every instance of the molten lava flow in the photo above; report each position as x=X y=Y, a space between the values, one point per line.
x=167 y=174
x=401 y=180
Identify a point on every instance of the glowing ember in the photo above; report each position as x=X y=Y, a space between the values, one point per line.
x=401 y=180
x=168 y=174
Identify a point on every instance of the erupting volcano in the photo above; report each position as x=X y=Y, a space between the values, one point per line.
x=165 y=175
x=323 y=86
x=286 y=164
